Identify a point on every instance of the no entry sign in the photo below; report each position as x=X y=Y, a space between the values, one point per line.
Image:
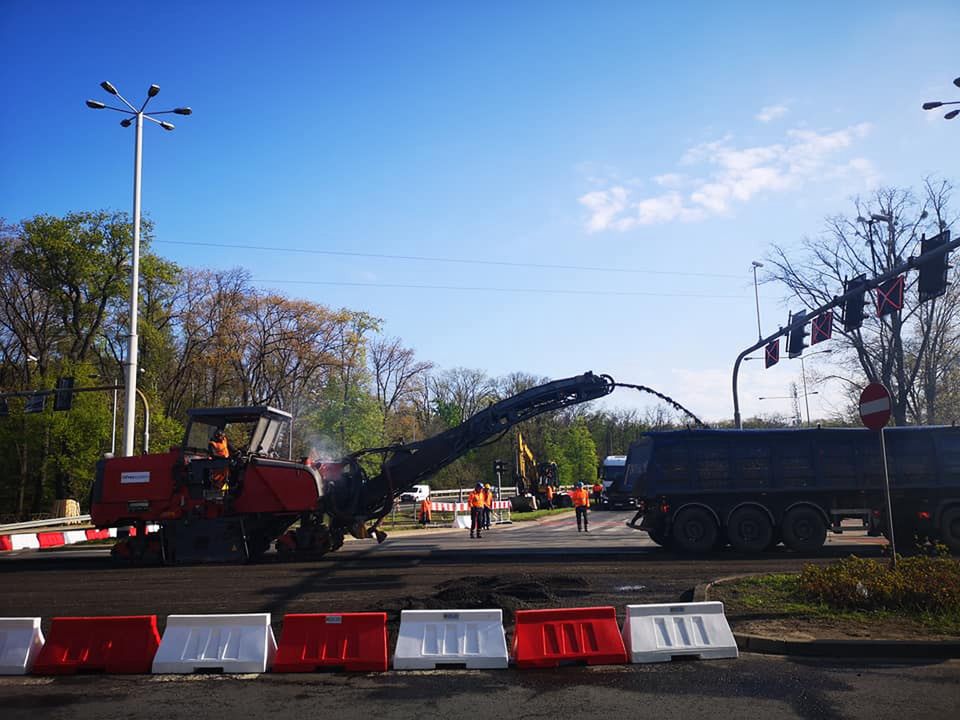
x=875 y=406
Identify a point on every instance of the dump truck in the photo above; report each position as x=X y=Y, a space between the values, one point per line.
x=699 y=490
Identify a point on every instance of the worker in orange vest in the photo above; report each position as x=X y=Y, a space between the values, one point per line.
x=475 y=502
x=581 y=501
x=425 y=515
x=219 y=447
x=487 y=505
x=597 y=493
x=549 y=494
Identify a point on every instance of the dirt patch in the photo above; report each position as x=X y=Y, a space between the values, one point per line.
x=507 y=592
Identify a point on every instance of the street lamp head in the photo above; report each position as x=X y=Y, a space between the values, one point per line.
x=166 y=125
x=183 y=111
x=880 y=218
x=153 y=90
x=956 y=81
x=757 y=264
x=108 y=87
x=951 y=115
x=125 y=122
x=931 y=105
x=95 y=105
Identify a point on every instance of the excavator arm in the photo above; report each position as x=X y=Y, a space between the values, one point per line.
x=358 y=497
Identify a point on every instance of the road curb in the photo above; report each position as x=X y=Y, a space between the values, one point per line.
x=874 y=649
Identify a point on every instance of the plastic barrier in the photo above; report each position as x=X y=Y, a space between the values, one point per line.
x=20 y=642
x=74 y=536
x=24 y=542
x=116 y=645
x=568 y=636
x=350 y=641
x=50 y=539
x=216 y=643
x=659 y=633
x=461 y=638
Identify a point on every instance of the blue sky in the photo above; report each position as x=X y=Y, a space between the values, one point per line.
x=651 y=138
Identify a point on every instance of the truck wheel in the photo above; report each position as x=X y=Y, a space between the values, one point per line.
x=694 y=530
x=750 y=530
x=659 y=538
x=950 y=529
x=804 y=530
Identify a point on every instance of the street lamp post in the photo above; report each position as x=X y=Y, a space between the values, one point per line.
x=756 y=295
x=130 y=367
x=933 y=105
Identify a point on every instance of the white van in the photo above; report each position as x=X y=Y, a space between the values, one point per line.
x=416 y=494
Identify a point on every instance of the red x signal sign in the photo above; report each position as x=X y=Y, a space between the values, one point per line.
x=890 y=296
x=772 y=354
x=822 y=327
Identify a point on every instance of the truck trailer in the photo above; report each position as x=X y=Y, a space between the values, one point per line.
x=699 y=490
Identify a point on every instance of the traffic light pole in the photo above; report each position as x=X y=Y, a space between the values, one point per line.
x=98 y=388
x=838 y=300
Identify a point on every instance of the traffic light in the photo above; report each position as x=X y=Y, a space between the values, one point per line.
x=822 y=327
x=890 y=296
x=498 y=466
x=63 y=399
x=35 y=403
x=798 y=331
x=853 y=305
x=933 y=273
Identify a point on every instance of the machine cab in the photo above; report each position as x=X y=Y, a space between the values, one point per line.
x=250 y=430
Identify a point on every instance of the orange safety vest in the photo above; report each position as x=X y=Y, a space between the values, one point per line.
x=597 y=488
x=475 y=500
x=581 y=498
x=219 y=448
x=487 y=498
x=549 y=492
x=425 y=509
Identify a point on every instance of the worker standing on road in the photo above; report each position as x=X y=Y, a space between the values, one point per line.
x=581 y=501
x=597 y=493
x=475 y=501
x=487 y=505
x=549 y=494
x=425 y=515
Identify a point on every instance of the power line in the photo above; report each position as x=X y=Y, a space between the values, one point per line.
x=538 y=291
x=427 y=258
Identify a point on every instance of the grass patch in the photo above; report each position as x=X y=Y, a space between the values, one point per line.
x=924 y=590
x=537 y=514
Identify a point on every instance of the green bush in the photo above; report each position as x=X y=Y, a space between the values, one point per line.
x=919 y=584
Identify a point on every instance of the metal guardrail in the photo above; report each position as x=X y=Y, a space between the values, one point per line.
x=49 y=522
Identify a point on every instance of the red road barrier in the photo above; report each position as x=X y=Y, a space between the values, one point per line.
x=6 y=543
x=50 y=539
x=98 y=534
x=349 y=641
x=116 y=645
x=566 y=636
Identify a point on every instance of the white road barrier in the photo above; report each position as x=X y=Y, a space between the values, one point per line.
x=216 y=643
x=20 y=642
x=659 y=633
x=430 y=639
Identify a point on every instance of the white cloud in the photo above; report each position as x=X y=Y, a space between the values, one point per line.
x=771 y=112
x=732 y=175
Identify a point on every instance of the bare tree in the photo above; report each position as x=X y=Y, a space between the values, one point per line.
x=886 y=229
x=397 y=374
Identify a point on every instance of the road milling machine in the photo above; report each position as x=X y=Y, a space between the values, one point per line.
x=223 y=509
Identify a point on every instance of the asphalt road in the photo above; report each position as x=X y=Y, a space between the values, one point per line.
x=544 y=564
